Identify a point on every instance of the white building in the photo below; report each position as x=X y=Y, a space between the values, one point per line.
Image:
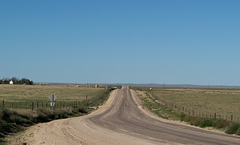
x=11 y=82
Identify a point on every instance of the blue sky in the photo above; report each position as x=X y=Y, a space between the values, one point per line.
x=127 y=41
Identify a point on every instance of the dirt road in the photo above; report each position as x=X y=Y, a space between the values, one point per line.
x=121 y=120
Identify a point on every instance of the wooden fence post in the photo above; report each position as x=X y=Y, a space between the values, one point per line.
x=3 y=104
x=32 y=105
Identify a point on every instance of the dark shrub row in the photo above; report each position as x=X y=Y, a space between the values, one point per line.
x=205 y=122
x=232 y=128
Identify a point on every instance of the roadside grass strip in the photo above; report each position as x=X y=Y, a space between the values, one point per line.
x=158 y=108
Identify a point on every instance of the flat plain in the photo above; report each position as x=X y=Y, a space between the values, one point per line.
x=121 y=120
x=203 y=101
x=41 y=93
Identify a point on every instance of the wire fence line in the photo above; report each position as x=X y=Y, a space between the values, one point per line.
x=193 y=111
x=35 y=105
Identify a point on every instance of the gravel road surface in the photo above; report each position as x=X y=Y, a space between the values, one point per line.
x=121 y=120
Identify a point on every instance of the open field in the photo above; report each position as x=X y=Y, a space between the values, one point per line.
x=202 y=102
x=37 y=96
x=27 y=105
x=35 y=93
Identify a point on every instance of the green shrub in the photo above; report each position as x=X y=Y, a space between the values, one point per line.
x=6 y=127
x=6 y=115
x=195 y=121
x=232 y=129
x=238 y=132
x=17 y=119
x=187 y=118
x=182 y=116
x=41 y=118
x=206 y=123
x=220 y=123
x=82 y=110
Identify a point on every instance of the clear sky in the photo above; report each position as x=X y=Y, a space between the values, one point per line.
x=125 y=41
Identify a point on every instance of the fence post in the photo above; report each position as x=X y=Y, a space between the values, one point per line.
x=3 y=104
x=231 y=117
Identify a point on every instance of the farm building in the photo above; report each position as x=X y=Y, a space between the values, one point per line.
x=11 y=82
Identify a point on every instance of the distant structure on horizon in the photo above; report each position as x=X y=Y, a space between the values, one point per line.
x=11 y=82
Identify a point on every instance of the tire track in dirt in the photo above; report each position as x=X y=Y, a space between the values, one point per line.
x=69 y=133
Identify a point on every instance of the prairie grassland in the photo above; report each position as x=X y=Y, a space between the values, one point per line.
x=203 y=102
x=17 y=115
x=64 y=93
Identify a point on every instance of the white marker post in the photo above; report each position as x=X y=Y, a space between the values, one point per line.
x=52 y=99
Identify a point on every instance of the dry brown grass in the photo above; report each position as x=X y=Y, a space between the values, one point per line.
x=66 y=93
x=204 y=101
x=25 y=112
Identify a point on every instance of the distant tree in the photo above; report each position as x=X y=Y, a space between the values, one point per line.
x=6 y=80
x=26 y=81
x=16 y=81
